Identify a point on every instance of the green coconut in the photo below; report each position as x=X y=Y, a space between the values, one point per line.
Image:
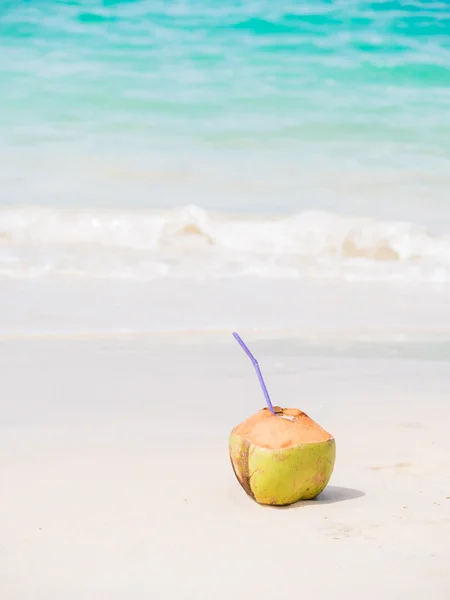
x=282 y=457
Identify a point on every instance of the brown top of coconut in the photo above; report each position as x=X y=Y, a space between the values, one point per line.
x=287 y=427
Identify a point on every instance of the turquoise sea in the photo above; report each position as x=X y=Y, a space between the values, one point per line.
x=301 y=130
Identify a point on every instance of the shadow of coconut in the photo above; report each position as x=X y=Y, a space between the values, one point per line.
x=330 y=495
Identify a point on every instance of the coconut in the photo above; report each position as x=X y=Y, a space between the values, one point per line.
x=281 y=457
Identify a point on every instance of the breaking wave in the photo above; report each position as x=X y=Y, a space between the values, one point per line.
x=192 y=243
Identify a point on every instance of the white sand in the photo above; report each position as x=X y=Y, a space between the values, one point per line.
x=116 y=482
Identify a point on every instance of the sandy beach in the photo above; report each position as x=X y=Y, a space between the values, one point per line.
x=116 y=481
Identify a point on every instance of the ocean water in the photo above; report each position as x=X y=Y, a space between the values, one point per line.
x=147 y=139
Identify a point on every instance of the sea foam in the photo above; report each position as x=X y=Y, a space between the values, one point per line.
x=190 y=242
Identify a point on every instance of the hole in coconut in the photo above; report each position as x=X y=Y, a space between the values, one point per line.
x=288 y=417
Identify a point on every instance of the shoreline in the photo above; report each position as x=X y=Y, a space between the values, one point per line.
x=269 y=308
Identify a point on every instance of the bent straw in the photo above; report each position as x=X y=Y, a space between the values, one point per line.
x=257 y=369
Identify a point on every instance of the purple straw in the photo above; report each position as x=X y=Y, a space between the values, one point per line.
x=257 y=369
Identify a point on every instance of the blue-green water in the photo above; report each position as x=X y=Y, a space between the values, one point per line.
x=332 y=75
x=258 y=106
